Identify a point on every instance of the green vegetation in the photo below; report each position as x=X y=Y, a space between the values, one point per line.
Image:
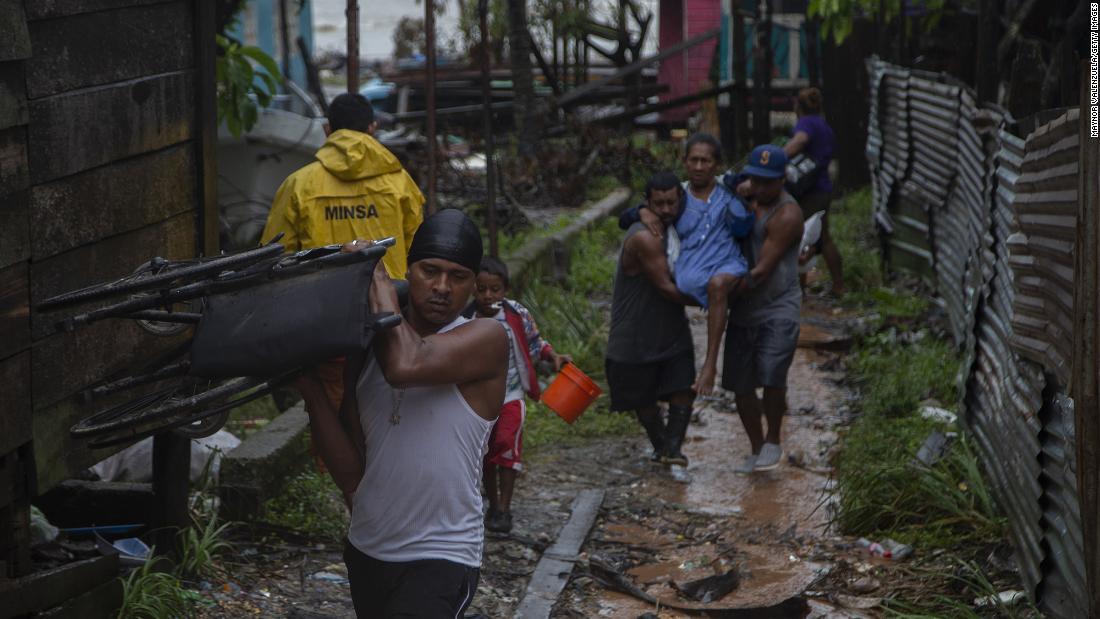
x=148 y=593
x=882 y=490
x=851 y=229
x=312 y=505
x=199 y=547
x=160 y=589
x=573 y=317
x=243 y=72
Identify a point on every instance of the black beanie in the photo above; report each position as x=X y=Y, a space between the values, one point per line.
x=449 y=235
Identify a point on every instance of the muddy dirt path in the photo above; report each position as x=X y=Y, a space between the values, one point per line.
x=676 y=526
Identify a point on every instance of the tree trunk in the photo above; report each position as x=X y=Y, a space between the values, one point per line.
x=522 y=78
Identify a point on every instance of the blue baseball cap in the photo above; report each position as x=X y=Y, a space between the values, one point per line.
x=767 y=161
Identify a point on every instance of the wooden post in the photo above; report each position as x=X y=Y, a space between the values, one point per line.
x=284 y=38
x=813 y=58
x=761 y=79
x=487 y=123
x=352 y=14
x=429 y=97
x=208 y=228
x=985 y=60
x=740 y=77
x=1085 y=386
x=171 y=482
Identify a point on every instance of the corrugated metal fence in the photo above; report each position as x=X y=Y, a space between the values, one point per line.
x=988 y=219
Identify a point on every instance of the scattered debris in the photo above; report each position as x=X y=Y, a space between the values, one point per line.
x=711 y=588
x=1004 y=598
x=864 y=585
x=939 y=414
x=330 y=577
x=933 y=449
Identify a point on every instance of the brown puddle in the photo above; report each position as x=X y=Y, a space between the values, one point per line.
x=771 y=571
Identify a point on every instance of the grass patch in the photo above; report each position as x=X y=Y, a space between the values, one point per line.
x=850 y=225
x=148 y=592
x=599 y=186
x=573 y=317
x=882 y=490
x=311 y=504
x=895 y=376
x=159 y=588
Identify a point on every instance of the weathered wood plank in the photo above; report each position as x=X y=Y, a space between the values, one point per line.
x=106 y=260
x=13 y=95
x=75 y=503
x=105 y=348
x=15 y=406
x=99 y=48
x=15 y=243
x=15 y=324
x=104 y=201
x=77 y=131
x=102 y=602
x=14 y=44
x=15 y=524
x=14 y=169
x=46 y=9
x=44 y=589
x=556 y=564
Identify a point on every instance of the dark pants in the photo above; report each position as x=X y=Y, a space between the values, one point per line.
x=431 y=588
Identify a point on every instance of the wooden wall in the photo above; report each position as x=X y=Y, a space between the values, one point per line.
x=106 y=141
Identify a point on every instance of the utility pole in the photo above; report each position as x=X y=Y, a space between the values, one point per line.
x=352 y=14
x=429 y=97
x=487 y=122
x=762 y=75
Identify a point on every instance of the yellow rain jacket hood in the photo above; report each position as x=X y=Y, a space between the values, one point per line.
x=355 y=189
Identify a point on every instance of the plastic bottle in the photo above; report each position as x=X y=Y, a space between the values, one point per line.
x=874 y=548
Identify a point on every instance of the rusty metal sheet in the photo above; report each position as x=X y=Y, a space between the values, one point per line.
x=999 y=214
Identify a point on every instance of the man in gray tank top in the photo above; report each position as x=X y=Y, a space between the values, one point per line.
x=406 y=448
x=764 y=320
x=650 y=353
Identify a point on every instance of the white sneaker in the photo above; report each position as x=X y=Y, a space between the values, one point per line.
x=770 y=456
x=747 y=466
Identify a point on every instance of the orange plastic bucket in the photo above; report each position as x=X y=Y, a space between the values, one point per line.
x=571 y=393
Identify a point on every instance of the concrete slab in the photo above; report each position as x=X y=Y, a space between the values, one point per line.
x=262 y=464
x=553 y=570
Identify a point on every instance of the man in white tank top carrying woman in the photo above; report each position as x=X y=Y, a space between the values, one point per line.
x=407 y=445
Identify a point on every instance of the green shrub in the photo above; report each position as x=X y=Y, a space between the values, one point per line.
x=573 y=317
x=199 y=547
x=148 y=593
x=311 y=504
x=851 y=228
x=895 y=376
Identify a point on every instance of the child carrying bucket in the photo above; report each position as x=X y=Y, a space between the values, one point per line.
x=502 y=461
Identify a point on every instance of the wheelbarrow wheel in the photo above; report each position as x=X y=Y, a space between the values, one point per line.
x=166 y=405
x=160 y=273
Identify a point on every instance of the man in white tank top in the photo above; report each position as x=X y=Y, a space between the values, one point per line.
x=407 y=446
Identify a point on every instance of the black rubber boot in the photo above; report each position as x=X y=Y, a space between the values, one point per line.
x=655 y=430
x=678 y=420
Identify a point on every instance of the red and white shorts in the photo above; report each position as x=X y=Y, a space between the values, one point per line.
x=506 y=439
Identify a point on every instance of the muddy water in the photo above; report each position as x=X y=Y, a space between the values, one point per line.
x=764 y=524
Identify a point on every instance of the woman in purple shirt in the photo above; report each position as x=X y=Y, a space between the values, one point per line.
x=813 y=136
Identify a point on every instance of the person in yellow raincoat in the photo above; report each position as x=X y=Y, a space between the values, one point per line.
x=356 y=189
